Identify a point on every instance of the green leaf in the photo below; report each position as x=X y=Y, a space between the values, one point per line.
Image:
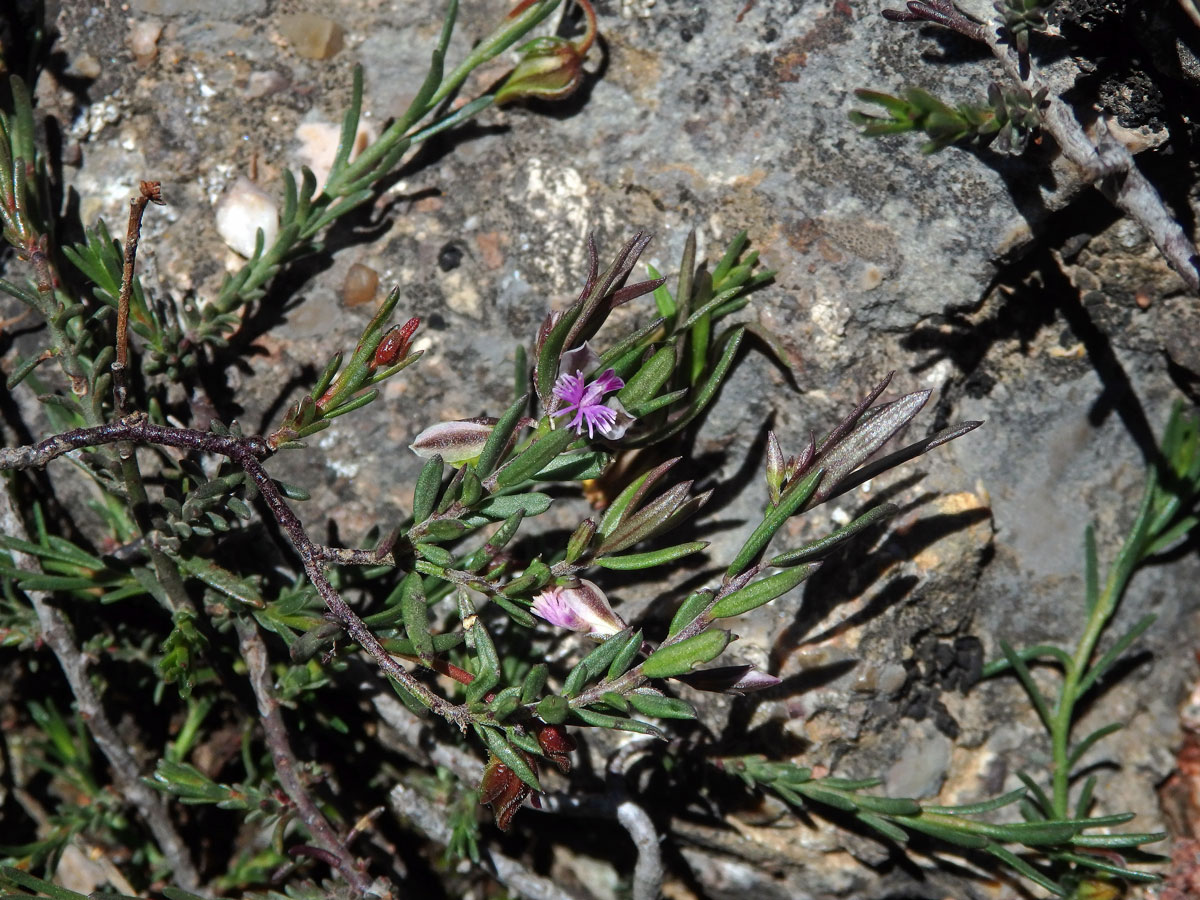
x=676 y=659
x=25 y=880
x=553 y=710
x=707 y=391
x=649 y=378
x=658 y=707
x=532 y=504
x=761 y=592
x=492 y=451
x=577 y=465
x=515 y=612
x=535 y=457
x=884 y=827
x=429 y=484
x=510 y=756
x=241 y=589
x=1015 y=862
x=794 y=496
x=689 y=609
x=627 y=501
x=595 y=662
x=1114 y=652
x=1031 y=688
x=823 y=546
x=602 y=720
x=415 y=613
x=650 y=558
x=662 y=295
x=534 y=682
x=487 y=673
x=624 y=659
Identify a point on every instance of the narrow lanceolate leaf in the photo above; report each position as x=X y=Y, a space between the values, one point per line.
x=647 y=522
x=651 y=558
x=695 y=604
x=535 y=457
x=415 y=613
x=707 y=391
x=488 y=674
x=873 y=430
x=506 y=427
x=625 y=657
x=762 y=592
x=603 y=720
x=534 y=682
x=532 y=504
x=510 y=756
x=901 y=456
x=676 y=659
x=627 y=501
x=649 y=378
x=425 y=494
x=822 y=546
x=592 y=665
x=659 y=707
x=794 y=497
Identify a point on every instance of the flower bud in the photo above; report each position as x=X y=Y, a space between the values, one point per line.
x=503 y=790
x=394 y=346
x=581 y=539
x=456 y=442
x=729 y=680
x=550 y=69
x=556 y=744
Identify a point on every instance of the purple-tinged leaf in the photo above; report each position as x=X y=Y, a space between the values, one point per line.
x=876 y=429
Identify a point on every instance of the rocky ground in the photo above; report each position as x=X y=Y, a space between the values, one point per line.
x=1004 y=283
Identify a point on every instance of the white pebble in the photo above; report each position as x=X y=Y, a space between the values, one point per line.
x=241 y=212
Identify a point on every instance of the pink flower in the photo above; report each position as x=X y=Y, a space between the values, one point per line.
x=584 y=609
x=587 y=401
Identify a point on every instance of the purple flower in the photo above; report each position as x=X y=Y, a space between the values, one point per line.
x=587 y=401
x=584 y=609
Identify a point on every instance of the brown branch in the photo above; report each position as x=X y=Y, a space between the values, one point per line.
x=247 y=452
x=1104 y=160
x=1110 y=162
x=150 y=192
x=336 y=853
x=57 y=633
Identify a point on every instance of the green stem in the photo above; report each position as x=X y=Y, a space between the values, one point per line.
x=1099 y=616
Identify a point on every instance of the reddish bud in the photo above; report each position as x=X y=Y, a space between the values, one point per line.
x=556 y=744
x=503 y=790
x=394 y=346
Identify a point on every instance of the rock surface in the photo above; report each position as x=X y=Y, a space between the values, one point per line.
x=955 y=270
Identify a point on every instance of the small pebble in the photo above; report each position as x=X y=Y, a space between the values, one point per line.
x=360 y=285
x=86 y=66
x=311 y=36
x=449 y=257
x=143 y=41
x=262 y=84
x=241 y=211
x=319 y=142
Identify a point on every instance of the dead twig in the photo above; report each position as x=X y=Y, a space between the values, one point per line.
x=247 y=452
x=1104 y=160
x=332 y=849
x=57 y=633
x=150 y=192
